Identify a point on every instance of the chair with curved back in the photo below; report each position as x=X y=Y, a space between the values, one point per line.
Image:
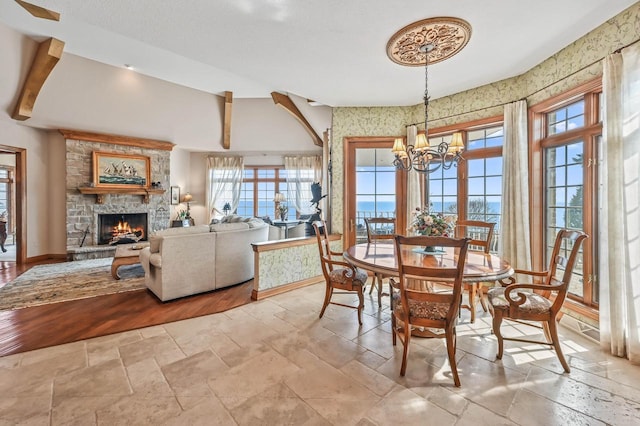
x=338 y=274
x=427 y=310
x=510 y=302
x=379 y=228
x=481 y=234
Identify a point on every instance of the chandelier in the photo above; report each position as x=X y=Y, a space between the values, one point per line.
x=438 y=38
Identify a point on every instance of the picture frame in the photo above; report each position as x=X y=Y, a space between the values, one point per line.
x=115 y=170
x=175 y=195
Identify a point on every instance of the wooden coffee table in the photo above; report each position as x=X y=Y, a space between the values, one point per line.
x=126 y=254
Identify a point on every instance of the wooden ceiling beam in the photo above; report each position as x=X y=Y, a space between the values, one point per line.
x=80 y=135
x=47 y=56
x=39 y=12
x=226 y=135
x=285 y=102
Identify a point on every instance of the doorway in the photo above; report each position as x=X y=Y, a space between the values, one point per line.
x=12 y=198
x=373 y=186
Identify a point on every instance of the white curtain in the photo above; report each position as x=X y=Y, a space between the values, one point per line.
x=224 y=182
x=619 y=218
x=302 y=171
x=514 y=243
x=414 y=191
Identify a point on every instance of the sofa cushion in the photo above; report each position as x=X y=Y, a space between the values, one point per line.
x=156 y=237
x=255 y=222
x=225 y=227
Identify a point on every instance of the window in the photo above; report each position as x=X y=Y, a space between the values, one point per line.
x=259 y=187
x=443 y=185
x=375 y=189
x=473 y=190
x=566 y=151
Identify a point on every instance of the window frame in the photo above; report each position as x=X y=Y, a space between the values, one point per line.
x=539 y=141
x=277 y=180
x=475 y=154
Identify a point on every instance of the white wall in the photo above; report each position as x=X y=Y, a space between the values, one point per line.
x=45 y=188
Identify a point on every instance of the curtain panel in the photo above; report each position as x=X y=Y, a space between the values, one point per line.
x=224 y=182
x=415 y=190
x=619 y=215
x=302 y=171
x=515 y=238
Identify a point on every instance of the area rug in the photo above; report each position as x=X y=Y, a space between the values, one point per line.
x=60 y=282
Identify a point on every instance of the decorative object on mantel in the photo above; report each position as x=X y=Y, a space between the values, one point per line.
x=115 y=173
x=115 y=170
x=429 y=40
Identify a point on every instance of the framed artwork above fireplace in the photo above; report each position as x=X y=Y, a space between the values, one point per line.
x=115 y=170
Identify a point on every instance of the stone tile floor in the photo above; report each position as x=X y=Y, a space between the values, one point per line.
x=274 y=362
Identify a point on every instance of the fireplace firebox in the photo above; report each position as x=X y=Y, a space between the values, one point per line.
x=122 y=228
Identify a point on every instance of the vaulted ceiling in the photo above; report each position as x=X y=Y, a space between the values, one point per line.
x=331 y=51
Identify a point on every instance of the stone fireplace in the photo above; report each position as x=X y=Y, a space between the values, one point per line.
x=86 y=235
x=122 y=228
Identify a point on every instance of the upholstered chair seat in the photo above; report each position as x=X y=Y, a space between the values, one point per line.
x=534 y=303
x=345 y=275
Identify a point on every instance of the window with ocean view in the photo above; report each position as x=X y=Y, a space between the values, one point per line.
x=473 y=190
x=375 y=187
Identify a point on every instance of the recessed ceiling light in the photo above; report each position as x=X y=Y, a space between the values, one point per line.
x=128 y=66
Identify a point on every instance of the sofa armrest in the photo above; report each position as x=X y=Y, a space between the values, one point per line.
x=156 y=260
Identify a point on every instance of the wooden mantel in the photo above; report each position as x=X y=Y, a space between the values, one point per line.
x=101 y=192
x=80 y=135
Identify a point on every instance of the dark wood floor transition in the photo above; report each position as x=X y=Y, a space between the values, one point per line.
x=48 y=325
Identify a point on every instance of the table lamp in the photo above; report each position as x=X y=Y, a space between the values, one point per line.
x=188 y=198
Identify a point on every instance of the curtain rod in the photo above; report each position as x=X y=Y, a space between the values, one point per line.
x=532 y=93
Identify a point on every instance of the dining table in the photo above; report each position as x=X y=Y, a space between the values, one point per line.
x=379 y=257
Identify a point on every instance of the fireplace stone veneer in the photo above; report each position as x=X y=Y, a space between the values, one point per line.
x=83 y=211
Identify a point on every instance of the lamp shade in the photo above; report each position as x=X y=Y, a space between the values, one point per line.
x=398 y=146
x=279 y=198
x=456 y=143
x=187 y=198
x=421 y=142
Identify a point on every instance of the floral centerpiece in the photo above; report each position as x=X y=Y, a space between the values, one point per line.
x=433 y=224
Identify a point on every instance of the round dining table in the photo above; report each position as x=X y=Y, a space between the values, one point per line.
x=379 y=257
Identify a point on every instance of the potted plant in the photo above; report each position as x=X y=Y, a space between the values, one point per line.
x=283 y=209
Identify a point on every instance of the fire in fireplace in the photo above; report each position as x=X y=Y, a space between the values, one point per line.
x=122 y=228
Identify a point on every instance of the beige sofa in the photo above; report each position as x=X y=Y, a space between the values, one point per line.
x=184 y=261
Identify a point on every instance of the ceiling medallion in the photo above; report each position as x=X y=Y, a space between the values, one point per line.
x=447 y=35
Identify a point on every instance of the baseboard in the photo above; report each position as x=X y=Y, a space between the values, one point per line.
x=44 y=257
x=584 y=329
x=263 y=294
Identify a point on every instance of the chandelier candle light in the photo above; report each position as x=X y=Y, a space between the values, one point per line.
x=439 y=38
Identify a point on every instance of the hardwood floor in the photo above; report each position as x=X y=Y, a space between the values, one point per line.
x=48 y=325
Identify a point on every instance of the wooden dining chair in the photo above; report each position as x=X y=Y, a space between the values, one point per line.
x=481 y=234
x=379 y=228
x=413 y=307
x=537 y=304
x=338 y=274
